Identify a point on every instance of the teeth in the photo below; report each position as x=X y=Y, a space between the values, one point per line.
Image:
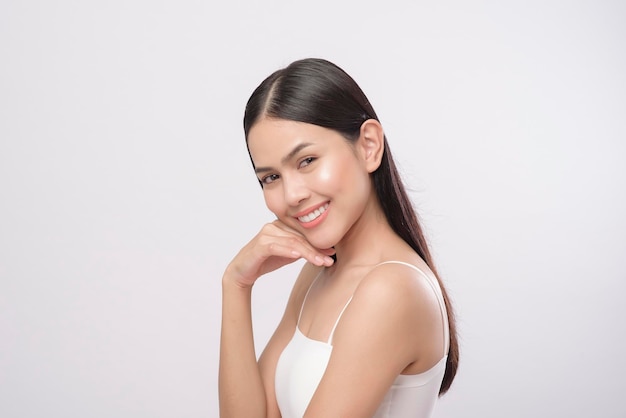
x=313 y=215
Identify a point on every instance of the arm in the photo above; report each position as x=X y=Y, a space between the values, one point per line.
x=392 y=325
x=241 y=387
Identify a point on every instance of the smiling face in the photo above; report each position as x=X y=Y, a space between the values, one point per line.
x=314 y=180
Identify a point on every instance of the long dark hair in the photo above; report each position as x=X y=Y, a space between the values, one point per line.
x=318 y=92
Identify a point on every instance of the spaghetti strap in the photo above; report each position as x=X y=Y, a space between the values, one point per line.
x=307 y=294
x=434 y=284
x=332 y=332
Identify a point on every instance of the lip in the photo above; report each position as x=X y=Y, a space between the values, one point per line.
x=315 y=221
x=309 y=210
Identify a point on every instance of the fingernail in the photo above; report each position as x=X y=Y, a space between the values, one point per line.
x=329 y=260
x=319 y=260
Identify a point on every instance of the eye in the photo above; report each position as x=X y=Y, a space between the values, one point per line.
x=305 y=162
x=269 y=178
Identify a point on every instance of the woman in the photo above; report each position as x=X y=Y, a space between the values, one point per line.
x=368 y=330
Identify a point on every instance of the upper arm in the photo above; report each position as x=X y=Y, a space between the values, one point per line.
x=281 y=337
x=393 y=321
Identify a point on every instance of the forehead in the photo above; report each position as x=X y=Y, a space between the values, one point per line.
x=269 y=140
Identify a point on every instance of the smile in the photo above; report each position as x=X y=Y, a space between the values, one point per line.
x=311 y=216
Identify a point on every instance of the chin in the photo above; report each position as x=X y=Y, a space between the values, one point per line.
x=322 y=244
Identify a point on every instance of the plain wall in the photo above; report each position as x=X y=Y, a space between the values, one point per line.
x=125 y=189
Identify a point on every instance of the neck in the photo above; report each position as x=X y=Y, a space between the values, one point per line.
x=366 y=242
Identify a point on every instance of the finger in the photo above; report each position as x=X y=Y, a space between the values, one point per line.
x=275 y=231
x=286 y=254
x=294 y=246
x=284 y=227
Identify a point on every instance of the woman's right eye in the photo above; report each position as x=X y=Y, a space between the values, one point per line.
x=269 y=178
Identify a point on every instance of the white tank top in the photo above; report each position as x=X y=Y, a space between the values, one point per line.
x=303 y=361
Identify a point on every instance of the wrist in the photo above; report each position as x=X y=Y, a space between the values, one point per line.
x=233 y=280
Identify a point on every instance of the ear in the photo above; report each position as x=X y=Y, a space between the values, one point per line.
x=371 y=144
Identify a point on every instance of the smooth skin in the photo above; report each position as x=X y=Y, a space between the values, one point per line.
x=393 y=324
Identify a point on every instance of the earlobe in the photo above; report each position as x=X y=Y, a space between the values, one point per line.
x=372 y=142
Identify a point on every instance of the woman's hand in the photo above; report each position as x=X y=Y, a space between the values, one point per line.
x=274 y=246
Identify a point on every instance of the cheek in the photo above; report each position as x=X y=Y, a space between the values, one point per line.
x=326 y=173
x=333 y=173
x=341 y=176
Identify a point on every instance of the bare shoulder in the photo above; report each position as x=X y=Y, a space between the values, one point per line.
x=391 y=326
x=399 y=282
x=399 y=294
x=400 y=305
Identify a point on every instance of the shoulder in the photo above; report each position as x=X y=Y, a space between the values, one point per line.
x=395 y=311
x=398 y=302
x=395 y=293
x=380 y=335
x=399 y=283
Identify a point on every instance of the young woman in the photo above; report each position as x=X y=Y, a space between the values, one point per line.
x=368 y=330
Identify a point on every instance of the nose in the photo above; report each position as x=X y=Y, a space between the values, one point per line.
x=295 y=190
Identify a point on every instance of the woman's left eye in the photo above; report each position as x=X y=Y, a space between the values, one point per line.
x=306 y=162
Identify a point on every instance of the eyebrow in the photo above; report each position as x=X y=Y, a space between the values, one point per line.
x=287 y=157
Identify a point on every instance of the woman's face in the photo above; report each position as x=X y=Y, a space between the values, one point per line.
x=313 y=179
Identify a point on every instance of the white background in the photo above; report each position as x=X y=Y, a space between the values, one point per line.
x=125 y=190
